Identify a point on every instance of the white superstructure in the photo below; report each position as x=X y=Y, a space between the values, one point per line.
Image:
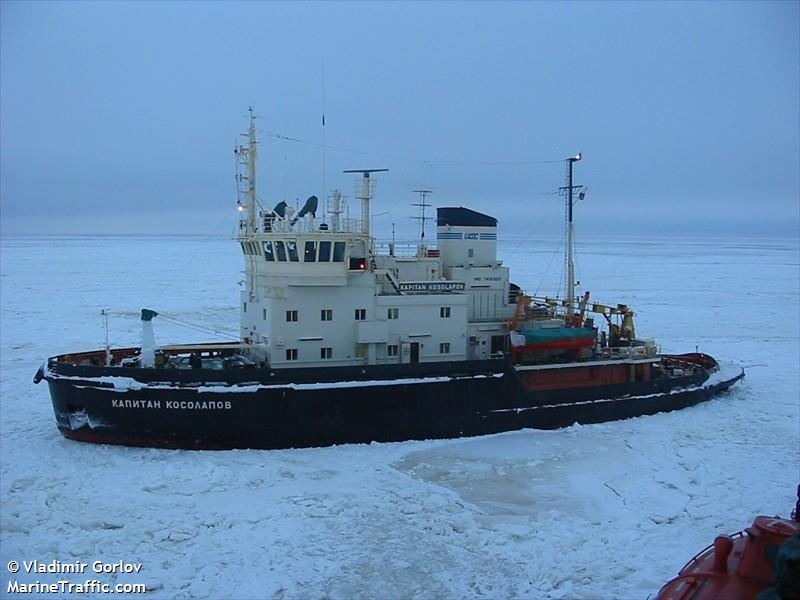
x=318 y=294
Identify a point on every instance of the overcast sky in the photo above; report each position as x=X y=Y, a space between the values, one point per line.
x=121 y=117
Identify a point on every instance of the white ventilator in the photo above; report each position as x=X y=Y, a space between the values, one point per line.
x=148 y=338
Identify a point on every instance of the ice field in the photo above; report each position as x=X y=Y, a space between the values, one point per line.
x=602 y=511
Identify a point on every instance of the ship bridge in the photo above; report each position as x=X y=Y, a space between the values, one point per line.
x=320 y=293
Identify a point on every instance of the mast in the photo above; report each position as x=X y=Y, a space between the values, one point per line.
x=365 y=195
x=336 y=210
x=246 y=157
x=568 y=192
x=251 y=173
x=104 y=312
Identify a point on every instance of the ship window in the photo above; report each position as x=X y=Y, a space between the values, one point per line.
x=324 y=252
x=361 y=314
x=393 y=313
x=291 y=315
x=325 y=353
x=291 y=354
x=338 y=252
x=326 y=314
x=361 y=351
x=471 y=253
x=292 y=247
x=310 y=254
x=444 y=312
x=264 y=313
x=444 y=348
x=245 y=307
x=392 y=350
x=280 y=250
x=268 y=251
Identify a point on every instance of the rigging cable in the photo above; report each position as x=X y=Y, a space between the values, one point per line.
x=426 y=162
x=196 y=327
x=530 y=233
x=555 y=253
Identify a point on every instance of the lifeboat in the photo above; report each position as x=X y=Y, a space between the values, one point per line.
x=762 y=562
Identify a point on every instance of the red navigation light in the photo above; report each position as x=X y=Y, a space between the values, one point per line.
x=358 y=264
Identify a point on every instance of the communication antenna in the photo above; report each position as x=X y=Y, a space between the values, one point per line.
x=423 y=196
x=365 y=194
x=324 y=146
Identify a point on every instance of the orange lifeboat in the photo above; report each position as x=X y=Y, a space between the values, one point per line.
x=742 y=566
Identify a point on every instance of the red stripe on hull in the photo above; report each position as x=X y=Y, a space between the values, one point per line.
x=584 y=376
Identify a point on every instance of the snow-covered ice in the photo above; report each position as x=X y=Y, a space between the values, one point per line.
x=609 y=511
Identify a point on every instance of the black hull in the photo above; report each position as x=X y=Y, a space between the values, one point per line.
x=306 y=408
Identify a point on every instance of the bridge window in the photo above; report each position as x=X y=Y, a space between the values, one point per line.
x=268 y=251
x=444 y=312
x=292 y=247
x=280 y=250
x=325 y=353
x=291 y=316
x=392 y=350
x=361 y=314
x=393 y=313
x=338 y=251
x=444 y=348
x=291 y=354
x=326 y=314
x=324 y=252
x=310 y=253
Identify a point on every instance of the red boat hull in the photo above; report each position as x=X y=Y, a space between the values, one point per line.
x=734 y=567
